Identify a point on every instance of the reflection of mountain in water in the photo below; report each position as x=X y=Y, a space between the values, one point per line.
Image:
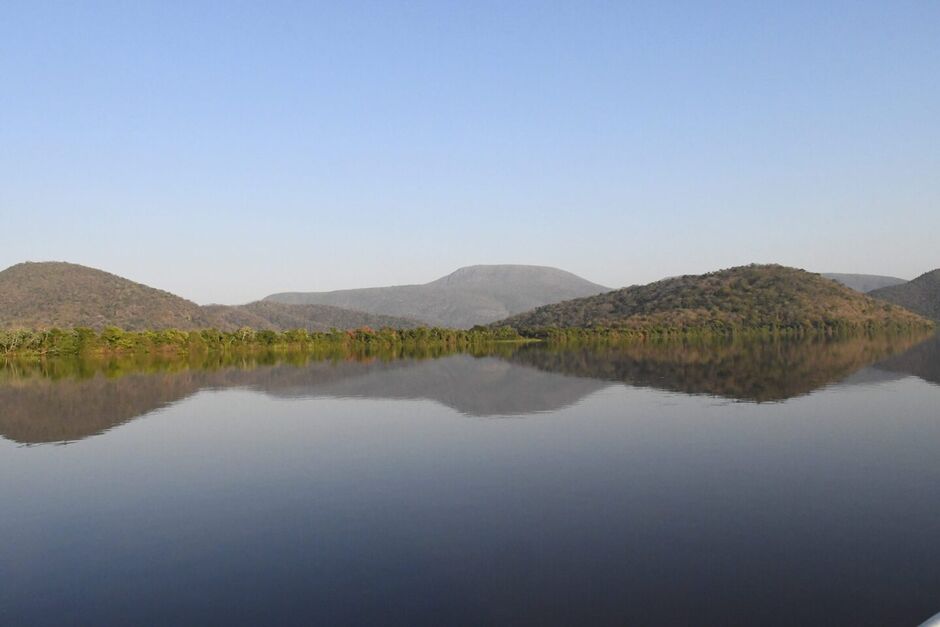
x=53 y=405
x=921 y=361
x=39 y=409
x=751 y=371
x=44 y=410
x=476 y=386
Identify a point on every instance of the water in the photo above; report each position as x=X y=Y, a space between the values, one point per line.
x=784 y=484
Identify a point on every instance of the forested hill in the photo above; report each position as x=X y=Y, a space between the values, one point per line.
x=922 y=295
x=745 y=297
x=59 y=294
x=66 y=295
x=467 y=297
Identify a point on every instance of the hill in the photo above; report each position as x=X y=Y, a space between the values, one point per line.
x=745 y=297
x=922 y=295
x=58 y=294
x=283 y=317
x=864 y=282
x=467 y=297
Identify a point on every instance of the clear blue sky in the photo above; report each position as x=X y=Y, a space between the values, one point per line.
x=226 y=150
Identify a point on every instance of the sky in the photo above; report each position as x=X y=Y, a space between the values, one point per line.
x=227 y=150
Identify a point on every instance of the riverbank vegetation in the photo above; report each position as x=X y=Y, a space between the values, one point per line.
x=173 y=342
x=716 y=330
x=112 y=340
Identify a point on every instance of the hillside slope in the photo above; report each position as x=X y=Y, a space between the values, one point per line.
x=467 y=297
x=58 y=294
x=283 y=317
x=922 y=295
x=744 y=297
x=864 y=282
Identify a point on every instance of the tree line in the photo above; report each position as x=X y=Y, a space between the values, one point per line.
x=82 y=340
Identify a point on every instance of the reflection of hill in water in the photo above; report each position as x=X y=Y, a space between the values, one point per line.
x=73 y=400
x=751 y=371
x=44 y=410
x=921 y=361
x=39 y=409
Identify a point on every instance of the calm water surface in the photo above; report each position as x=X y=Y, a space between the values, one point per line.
x=771 y=484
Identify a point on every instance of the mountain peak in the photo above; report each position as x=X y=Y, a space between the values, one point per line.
x=470 y=295
x=492 y=275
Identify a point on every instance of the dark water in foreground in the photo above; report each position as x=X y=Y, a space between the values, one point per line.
x=740 y=485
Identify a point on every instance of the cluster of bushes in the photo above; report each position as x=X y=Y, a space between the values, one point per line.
x=114 y=340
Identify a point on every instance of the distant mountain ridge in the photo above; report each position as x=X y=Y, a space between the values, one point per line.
x=42 y=295
x=922 y=295
x=864 y=282
x=469 y=296
x=754 y=296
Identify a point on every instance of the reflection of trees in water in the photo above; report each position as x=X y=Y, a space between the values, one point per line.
x=54 y=402
x=747 y=370
x=922 y=361
x=68 y=399
x=60 y=400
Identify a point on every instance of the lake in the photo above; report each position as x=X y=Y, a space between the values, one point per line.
x=775 y=483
